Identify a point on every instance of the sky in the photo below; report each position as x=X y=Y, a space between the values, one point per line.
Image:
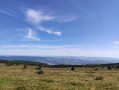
x=59 y=28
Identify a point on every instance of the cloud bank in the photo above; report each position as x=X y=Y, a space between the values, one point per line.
x=49 y=50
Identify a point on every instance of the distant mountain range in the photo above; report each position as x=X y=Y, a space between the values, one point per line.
x=63 y=60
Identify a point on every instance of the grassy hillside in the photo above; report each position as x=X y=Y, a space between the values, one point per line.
x=83 y=78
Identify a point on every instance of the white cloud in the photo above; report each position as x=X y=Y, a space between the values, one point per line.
x=49 y=31
x=49 y=50
x=117 y=42
x=36 y=17
x=8 y=13
x=115 y=47
x=38 y=46
x=67 y=19
x=31 y=35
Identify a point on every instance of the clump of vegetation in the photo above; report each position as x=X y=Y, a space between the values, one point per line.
x=40 y=69
x=25 y=66
x=47 y=80
x=40 y=72
x=21 y=88
x=17 y=64
x=117 y=66
x=99 y=78
x=96 y=69
x=72 y=68
x=9 y=64
x=109 y=67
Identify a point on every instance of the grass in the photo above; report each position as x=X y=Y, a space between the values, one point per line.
x=15 y=78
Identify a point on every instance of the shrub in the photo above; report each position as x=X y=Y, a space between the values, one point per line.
x=21 y=88
x=109 y=67
x=17 y=64
x=39 y=67
x=40 y=72
x=117 y=66
x=96 y=69
x=99 y=78
x=25 y=66
x=72 y=68
x=9 y=64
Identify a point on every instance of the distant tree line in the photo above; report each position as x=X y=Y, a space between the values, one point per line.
x=18 y=62
x=32 y=63
x=109 y=66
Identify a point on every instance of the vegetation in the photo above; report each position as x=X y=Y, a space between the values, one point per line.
x=72 y=68
x=40 y=72
x=31 y=63
x=25 y=66
x=109 y=67
x=99 y=78
x=40 y=69
x=95 y=77
x=17 y=62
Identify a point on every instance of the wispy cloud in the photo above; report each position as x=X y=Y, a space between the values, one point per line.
x=57 y=40
x=115 y=47
x=36 y=17
x=49 y=31
x=116 y=43
x=8 y=13
x=31 y=35
x=66 y=19
x=12 y=15
x=49 y=50
x=38 y=46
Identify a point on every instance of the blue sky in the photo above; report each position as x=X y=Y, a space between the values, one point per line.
x=59 y=28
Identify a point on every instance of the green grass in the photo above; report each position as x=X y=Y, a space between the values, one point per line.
x=15 y=78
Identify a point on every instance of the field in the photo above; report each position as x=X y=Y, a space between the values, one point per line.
x=15 y=78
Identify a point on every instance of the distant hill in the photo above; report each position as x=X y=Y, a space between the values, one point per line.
x=63 y=60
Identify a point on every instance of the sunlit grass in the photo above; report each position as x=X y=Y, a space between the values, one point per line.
x=15 y=78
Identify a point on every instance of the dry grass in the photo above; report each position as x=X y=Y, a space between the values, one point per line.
x=15 y=78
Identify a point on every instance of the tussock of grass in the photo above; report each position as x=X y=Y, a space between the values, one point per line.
x=99 y=78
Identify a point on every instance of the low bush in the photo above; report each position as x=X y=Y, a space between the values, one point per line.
x=21 y=88
x=99 y=78
x=40 y=72
x=39 y=67
x=96 y=69
x=72 y=68
x=109 y=67
x=25 y=66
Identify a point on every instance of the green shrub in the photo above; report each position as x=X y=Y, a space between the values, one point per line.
x=40 y=72
x=25 y=66
x=96 y=69
x=99 y=78
x=9 y=64
x=39 y=67
x=21 y=88
x=109 y=67
x=117 y=66
x=72 y=68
